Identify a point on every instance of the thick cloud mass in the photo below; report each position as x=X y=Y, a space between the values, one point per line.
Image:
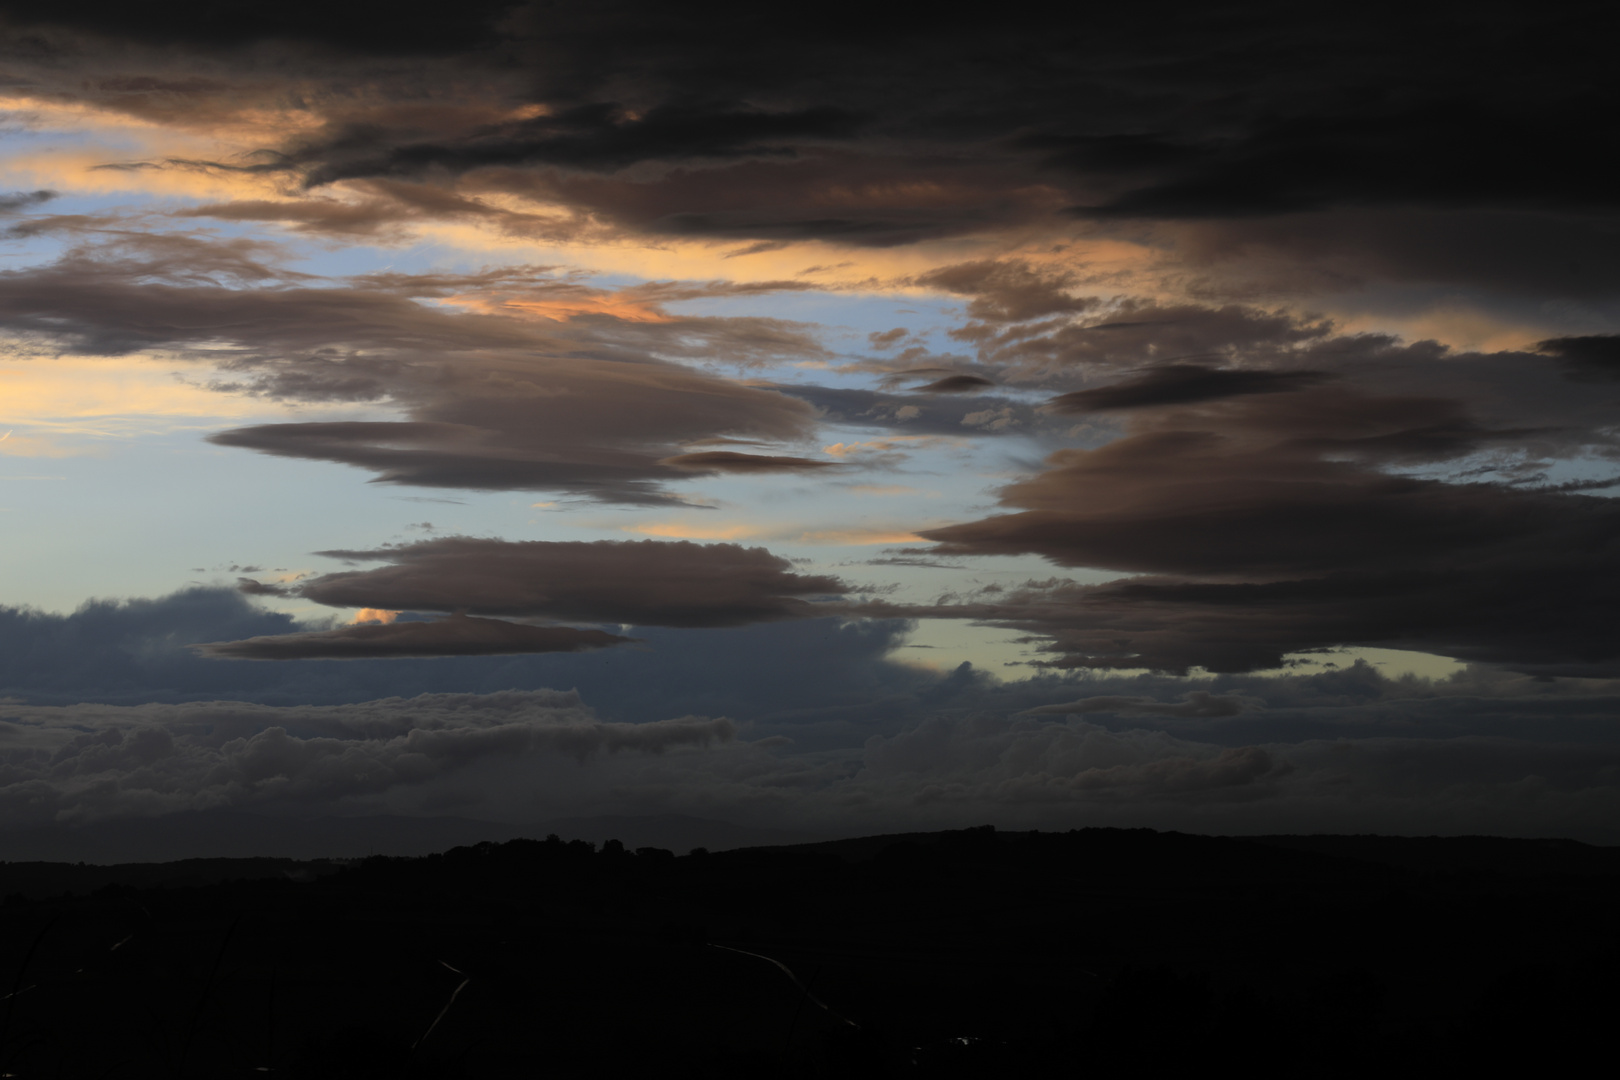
x=81 y=762
x=837 y=738
x=637 y=583
x=1270 y=524
x=756 y=125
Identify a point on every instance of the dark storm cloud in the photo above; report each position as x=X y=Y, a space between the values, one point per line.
x=1592 y=358
x=554 y=386
x=1180 y=384
x=603 y=137
x=759 y=125
x=840 y=197
x=364 y=26
x=638 y=583
x=455 y=635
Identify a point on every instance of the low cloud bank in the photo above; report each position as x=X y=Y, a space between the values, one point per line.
x=83 y=762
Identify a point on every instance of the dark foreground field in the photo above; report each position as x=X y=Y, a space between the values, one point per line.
x=975 y=953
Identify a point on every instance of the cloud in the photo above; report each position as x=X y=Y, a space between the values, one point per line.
x=682 y=128
x=729 y=461
x=1180 y=384
x=1135 y=335
x=875 y=745
x=816 y=670
x=84 y=762
x=455 y=635
x=603 y=137
x=13 y=202
x=1010 y=290
x=1591 y=358
x=904 y=413
x=955 y=384
x=1538 y=255
x=1268 y=524
x=1199 y=703
x=637 y=583
x=956 y=761
x=361 y=27
x=578 y=401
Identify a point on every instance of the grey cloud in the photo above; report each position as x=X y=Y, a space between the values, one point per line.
x=1198 y=703
x=254 y=587
x=1012 y=290
x=13 y=202
x=1178 y=384
x=868 y=198
x=823 y=673
x=877 y=746
x=1535 y=256
x=641 y=583
x=1132 y=335
x=84 y=762
x=603 y=137
x=730 y=461
x=939 y=771
x=586 y=401
x=910 y=414
x=364 y=27
x=1591 y=358
x=1269 y=524
x=955 y=384
x=1029 y=762
x=455 y=635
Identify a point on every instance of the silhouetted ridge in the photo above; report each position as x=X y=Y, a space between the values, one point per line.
x=962 y=953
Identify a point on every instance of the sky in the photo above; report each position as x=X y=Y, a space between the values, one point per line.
x=1191 y=418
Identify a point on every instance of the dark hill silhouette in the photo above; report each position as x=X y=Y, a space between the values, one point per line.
x=962 y=953
x=233 y=834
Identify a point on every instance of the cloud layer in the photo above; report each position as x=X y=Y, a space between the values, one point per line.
x=829 y=735
x=82 y=762
x=1270 y=329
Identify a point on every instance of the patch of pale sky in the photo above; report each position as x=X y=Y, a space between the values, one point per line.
x=64 y=405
